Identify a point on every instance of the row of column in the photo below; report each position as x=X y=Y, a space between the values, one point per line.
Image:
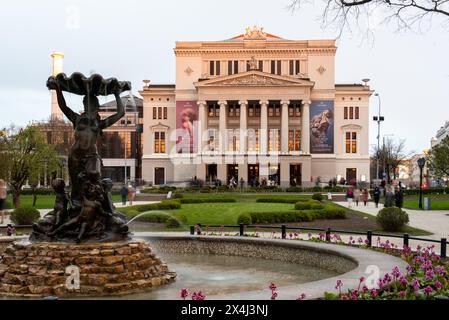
x=305 y=139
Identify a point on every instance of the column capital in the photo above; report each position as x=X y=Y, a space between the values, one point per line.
x=285 y=102
x=306 y=102
x=222 y=103
x=243 y=102
x=264 y=102
x=201 y=103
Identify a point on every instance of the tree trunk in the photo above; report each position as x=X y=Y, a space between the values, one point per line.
x=16 y=197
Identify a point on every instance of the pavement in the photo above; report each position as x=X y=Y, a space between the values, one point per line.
x=434 y=221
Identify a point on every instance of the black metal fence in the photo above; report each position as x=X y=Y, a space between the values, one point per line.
x=328 y=234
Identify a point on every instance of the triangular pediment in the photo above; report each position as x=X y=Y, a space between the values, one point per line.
x=160 y=127
x=254 y=78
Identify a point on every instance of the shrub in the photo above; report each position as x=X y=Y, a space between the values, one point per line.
x=178 y=196
x=392 y=219
x=244 y=218
x=207 y=200
x=318 y=197
x=25 y=216
x=316 y=206
x=172 y=223
x=158 y=217
x=164 y=205
x=301 y=205
x=281 y=200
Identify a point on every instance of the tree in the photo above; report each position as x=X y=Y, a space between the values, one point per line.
x=405 y=13
x=391 y=155
x=438 y=159
x=25 y=156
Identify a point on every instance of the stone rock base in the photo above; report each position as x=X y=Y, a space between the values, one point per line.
x=119 y=268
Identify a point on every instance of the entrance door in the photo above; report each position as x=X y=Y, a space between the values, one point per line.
x=351 y=175
x=253 y=174
x=295 y=175
x=159 y=176
x=211 y=172
x=233 y=172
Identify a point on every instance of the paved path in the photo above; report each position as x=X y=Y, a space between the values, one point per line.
x=435 y=221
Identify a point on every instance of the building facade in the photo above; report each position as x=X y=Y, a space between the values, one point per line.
x=442 y=133
x=259 y=108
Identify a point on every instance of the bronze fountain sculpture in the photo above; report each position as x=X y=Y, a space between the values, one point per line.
x=84 y=237
x=87 y=214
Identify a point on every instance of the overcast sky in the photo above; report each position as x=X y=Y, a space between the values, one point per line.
x=133 y=40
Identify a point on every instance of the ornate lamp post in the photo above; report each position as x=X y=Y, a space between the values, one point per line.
x=421 y=164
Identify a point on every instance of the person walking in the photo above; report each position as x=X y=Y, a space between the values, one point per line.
x=131 y=194
x=389 y=198
x=365 y=195
x=10 y=230
x=350 y=197
x=124 y=194
x=3 y=195
x=357 y=194
x=399 y=198
x=377 y=196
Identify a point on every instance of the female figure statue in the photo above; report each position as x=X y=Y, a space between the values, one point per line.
x=83 y=155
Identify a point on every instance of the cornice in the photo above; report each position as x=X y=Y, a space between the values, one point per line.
x=232 y=51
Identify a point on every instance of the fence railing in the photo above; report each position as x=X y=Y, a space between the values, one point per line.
x=328 y=234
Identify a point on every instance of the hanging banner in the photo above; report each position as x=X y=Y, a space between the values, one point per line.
x=322 y=127
x=186 y=127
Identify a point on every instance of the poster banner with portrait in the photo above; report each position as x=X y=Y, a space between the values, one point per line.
x=186 y=127
x=322 y=127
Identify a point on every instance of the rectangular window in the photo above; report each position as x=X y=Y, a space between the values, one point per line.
x=351 y=142
x=233 y=67
x=351 y=113
x=233 y=140
x=274 y=140
x=357 y=112
x=273 y=67
x=165 y=113
x=159 y=142
x=260 y=65
x=294 y=140
x=271 y=111
x=253 y=140
x=214 y=68
x=291 y=111
x=293 y=67
x=346 y=113
x=159 y=112
x=214 y=111
x=154 y=113
x=277 y=111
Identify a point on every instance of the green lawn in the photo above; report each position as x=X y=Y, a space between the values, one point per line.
x=43 y=202
x=437 y=202
x=243 y=197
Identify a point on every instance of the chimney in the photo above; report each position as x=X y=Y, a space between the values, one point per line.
x=57 y=68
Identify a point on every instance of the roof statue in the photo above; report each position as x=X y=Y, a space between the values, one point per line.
x=255 y=33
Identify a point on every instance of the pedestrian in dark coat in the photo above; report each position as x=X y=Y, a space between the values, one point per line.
x=399 y=198
x=377 y=196
x=389 y=198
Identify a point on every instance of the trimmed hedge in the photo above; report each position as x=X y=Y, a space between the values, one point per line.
x=164 y=205
x=244 y=218
x=25 y=216
x=327 y=212
x=307 y=205
x=157 y=217
x=207 y=200
x=280 y=200
x=318 y=197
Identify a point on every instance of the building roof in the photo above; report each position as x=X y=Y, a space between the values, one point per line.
x=132 y=104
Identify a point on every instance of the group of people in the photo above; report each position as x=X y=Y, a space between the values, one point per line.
x=127 y=193
x=357 y=195
x=392 y=199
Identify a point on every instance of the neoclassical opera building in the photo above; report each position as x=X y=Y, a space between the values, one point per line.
x=255 y=107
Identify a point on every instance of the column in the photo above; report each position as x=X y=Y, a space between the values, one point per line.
x=305 y=130
x=222 y=126
x=243 y=126
x=263 y=135
x=202 y=125
x=284 y=126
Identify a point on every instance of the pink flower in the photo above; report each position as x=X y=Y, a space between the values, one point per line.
x=403 y=281
x=396 y=272
x=402 y=294
x=274 y=295
x=184 y=293
x=416 y=284
x=428 y=290
x=430 y=275
x=374 y=293
x=302 y=296
x=198 y=296
x=272 y=287
x=438 y=285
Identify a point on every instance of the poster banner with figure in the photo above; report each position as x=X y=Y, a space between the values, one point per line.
x=186 y=127
x=322 y=127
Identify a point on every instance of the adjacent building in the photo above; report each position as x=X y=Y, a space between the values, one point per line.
x=259 y=108
x=442 y=133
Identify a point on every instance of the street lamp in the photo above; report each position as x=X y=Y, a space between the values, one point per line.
x=421 y=164
x=379 y=120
